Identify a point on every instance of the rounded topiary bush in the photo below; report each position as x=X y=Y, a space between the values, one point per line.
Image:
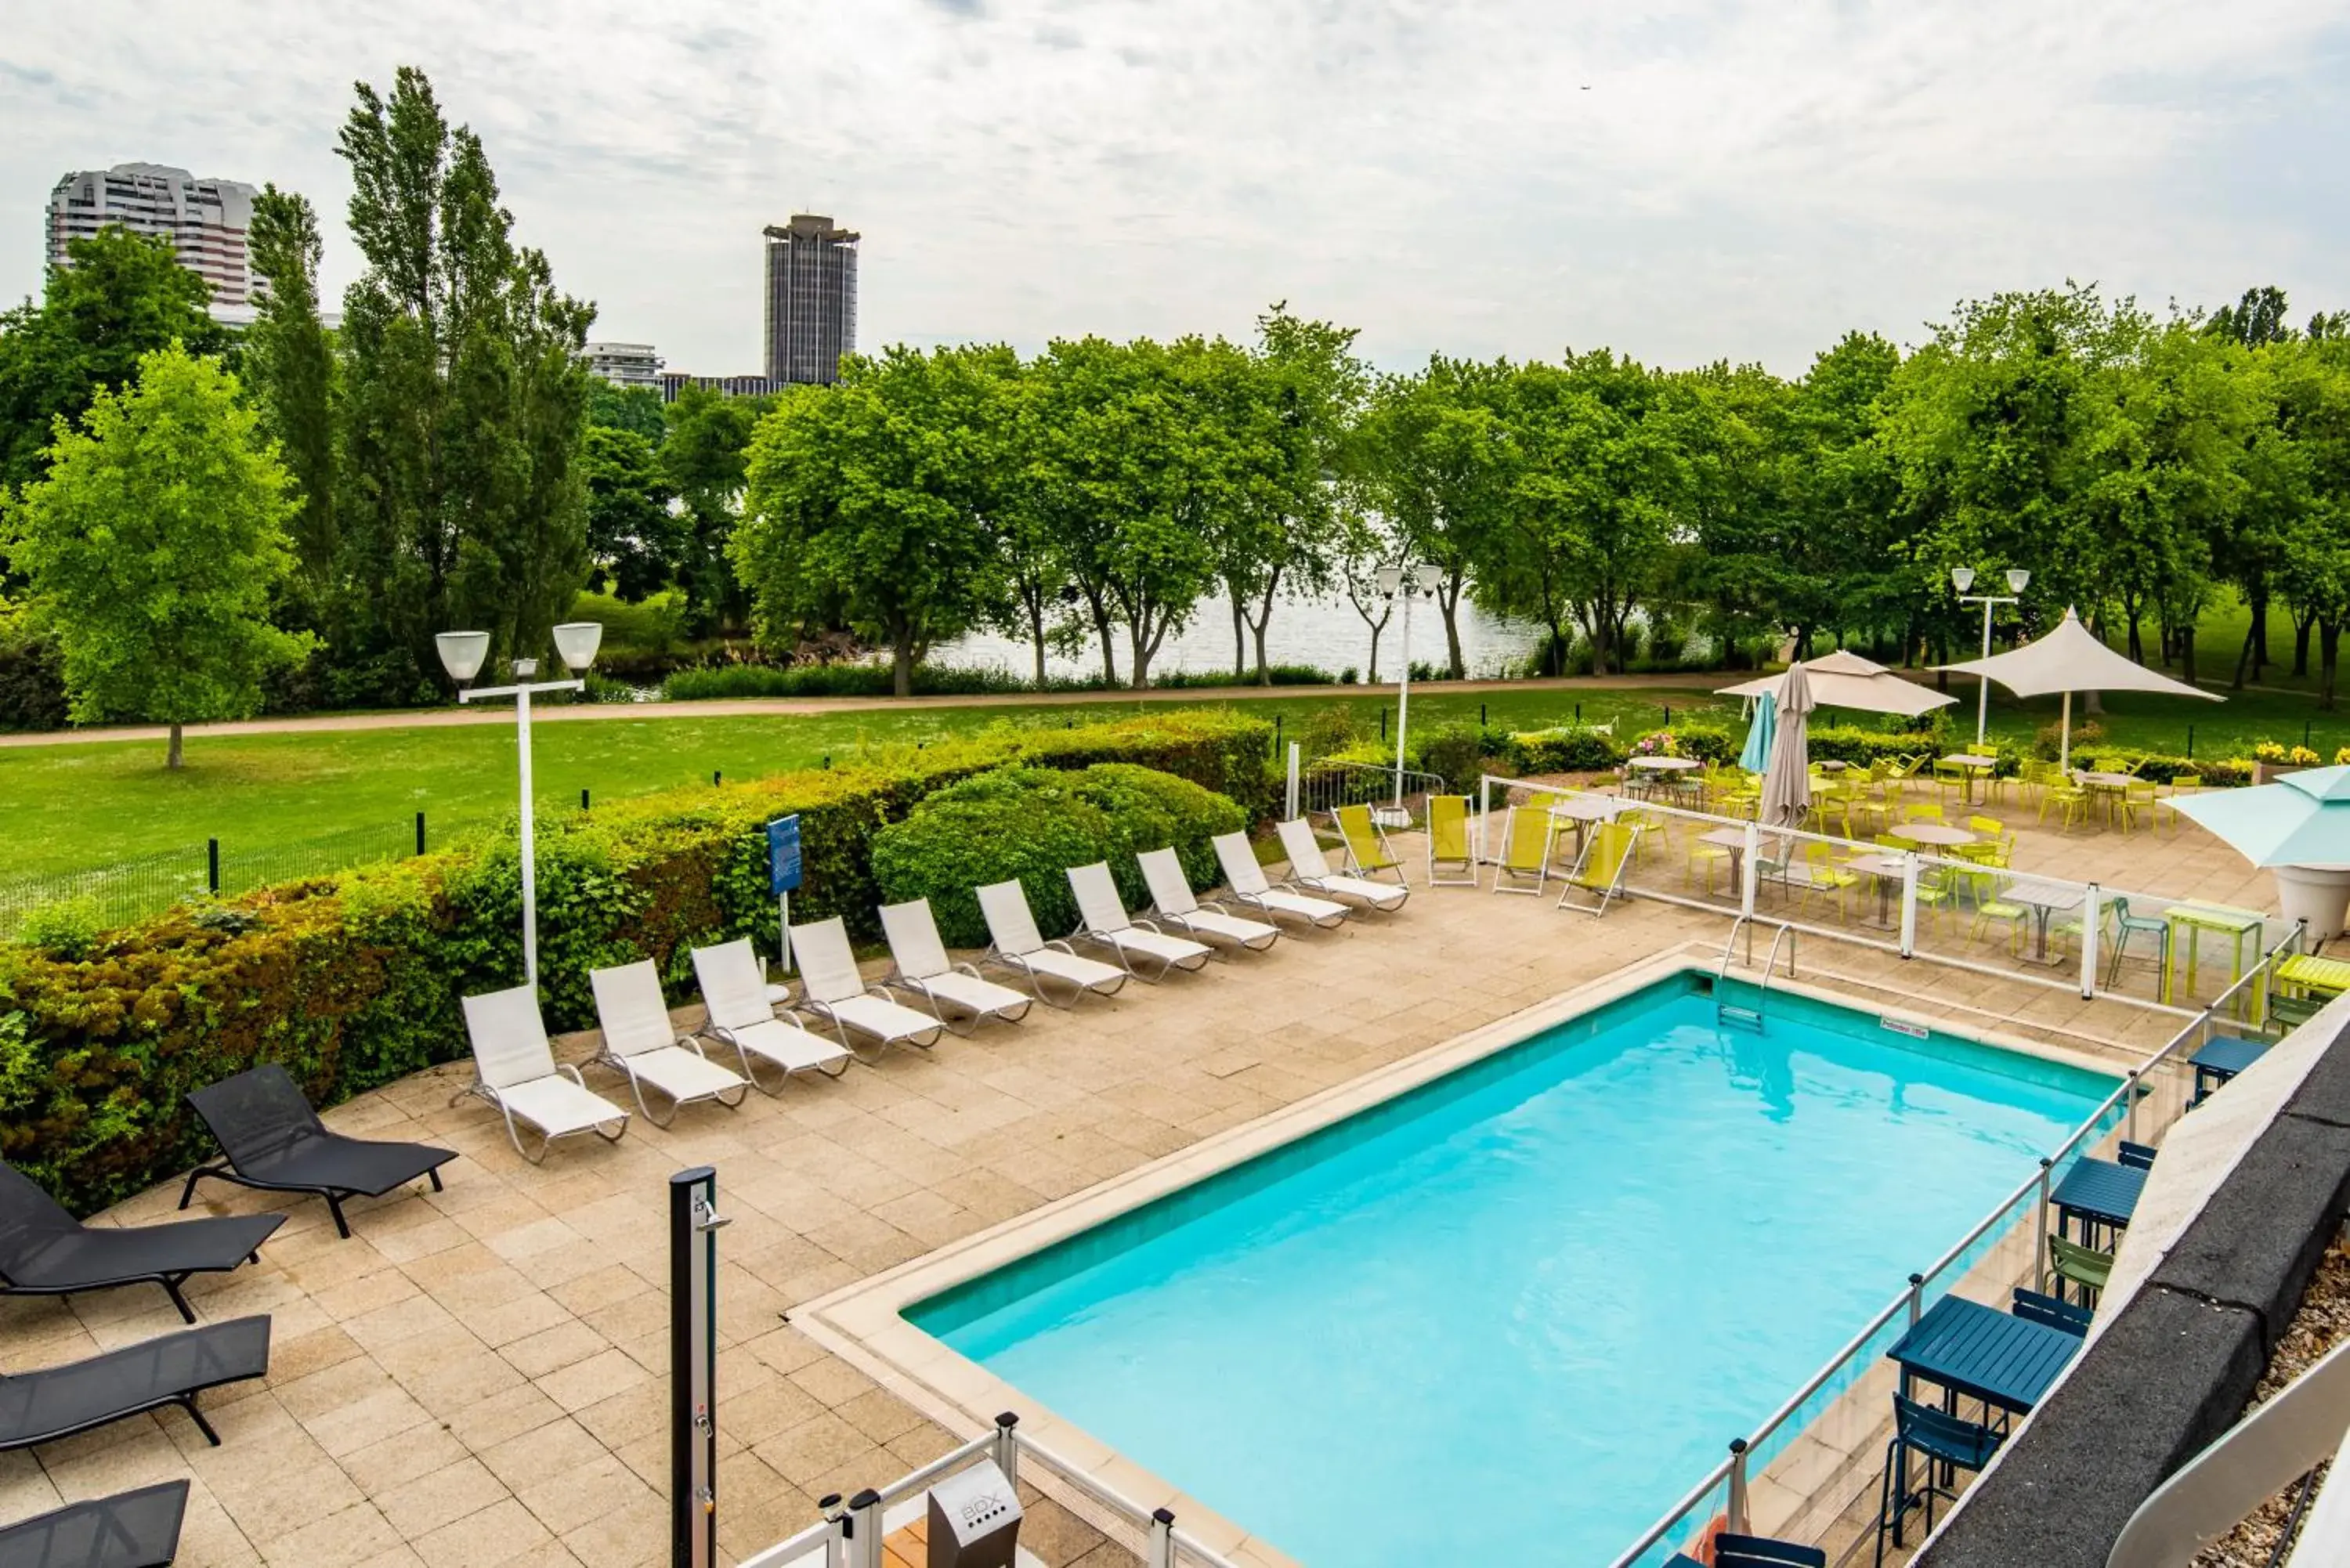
x=1029 y=823
x=1150 y=810
x=1033 y=824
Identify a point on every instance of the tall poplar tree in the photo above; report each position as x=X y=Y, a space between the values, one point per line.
x=461 y=502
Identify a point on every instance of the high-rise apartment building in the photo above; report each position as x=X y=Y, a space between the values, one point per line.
x=624 y=364
x=206 y=220
x=811 y=298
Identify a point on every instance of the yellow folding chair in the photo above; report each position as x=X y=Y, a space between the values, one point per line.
x=1448 y=842
x=1368 y=850
x=1527 y=834
x=1601 y=869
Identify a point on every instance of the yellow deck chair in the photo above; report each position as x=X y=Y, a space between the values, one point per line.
x=1601 y=869
x=1526 y=834
x=1368 y=851
x=1448 y=842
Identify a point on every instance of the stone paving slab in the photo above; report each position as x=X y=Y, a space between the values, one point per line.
x=475 y=1379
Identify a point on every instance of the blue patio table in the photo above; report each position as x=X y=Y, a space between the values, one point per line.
x=2101 y=1192
x=2221 y=1058
x=1979 y=1353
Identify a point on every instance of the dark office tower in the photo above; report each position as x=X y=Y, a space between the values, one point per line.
x=811 y=298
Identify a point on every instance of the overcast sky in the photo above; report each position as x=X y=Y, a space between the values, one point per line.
x=1681 y=179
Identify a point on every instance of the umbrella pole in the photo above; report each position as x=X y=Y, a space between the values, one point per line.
x=2065 y=741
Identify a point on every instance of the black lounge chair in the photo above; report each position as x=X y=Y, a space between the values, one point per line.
x=274 y=1141
x=130 y=1530
x=46 y=1252
x=58 y=1401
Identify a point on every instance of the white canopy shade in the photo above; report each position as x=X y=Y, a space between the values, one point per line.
x=2069 y=660
x=1845 y=679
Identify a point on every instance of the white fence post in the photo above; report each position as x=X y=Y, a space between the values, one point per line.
x=1909 y=903
x=2093 y=911
x=1289 y=813
x=1485 y=818
x=1750 y=868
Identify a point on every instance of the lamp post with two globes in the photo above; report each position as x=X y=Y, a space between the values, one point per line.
x=1963 y=579
x=1412 y=582
x=462 y=653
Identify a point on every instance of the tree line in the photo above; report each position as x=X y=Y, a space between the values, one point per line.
x=441 y=459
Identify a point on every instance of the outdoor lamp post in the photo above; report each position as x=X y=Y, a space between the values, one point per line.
x=1963 y=579
x=1412 y=582
x=462 y=653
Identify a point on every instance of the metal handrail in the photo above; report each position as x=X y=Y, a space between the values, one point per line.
x=851 y=1535
x=1912 y=1298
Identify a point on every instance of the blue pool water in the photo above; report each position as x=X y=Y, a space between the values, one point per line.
x=1542 y=1291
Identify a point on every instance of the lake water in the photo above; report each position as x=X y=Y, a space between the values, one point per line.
x=1327 y=633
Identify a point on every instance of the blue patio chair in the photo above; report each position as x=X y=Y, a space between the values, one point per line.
x=2135 y=1154
x=1937 y=1438
x=2054 y=1311
x=1754 y=1552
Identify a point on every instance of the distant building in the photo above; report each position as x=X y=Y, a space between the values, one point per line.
x=624 y=364
x=206 y=220
x=672 y=382
x=811 y=298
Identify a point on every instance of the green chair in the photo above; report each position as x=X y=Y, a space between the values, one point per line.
x=2083 y=1267
x=2125 y=926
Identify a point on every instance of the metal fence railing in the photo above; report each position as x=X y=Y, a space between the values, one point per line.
x=852 y=1532
x=1398 y=798
x=2010 y=923
x=2151 y=1094
x=123 y=891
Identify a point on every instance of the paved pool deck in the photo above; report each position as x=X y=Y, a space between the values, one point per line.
x=476 y=1379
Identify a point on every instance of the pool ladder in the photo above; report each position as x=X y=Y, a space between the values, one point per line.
x=1728 y=1012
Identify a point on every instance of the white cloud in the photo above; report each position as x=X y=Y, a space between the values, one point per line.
x=1684 y=180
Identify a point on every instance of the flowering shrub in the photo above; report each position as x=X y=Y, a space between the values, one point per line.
x=2269 y=751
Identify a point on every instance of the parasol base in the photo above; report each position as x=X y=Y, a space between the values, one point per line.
x=2317 y=894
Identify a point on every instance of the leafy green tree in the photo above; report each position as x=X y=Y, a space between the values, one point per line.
x=1366 y=543
x=704 y=456
x=870 y=498
x=2311 y=386
x=123 y=297
x=634 y=409
x=1435 y=461
x=462 y=500
x=632 y=535
x=1131 y=473
x=290 y=369
x=152 y=548
x=1289 y=409
x=1601 y=469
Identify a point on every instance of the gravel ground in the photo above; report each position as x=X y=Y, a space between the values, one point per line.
x=2322 y=1323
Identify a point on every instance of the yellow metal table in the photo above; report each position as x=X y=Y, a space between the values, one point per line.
x=2218 y=919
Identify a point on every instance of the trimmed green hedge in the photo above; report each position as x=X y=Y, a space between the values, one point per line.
x=1030 y=825
x=353 y=980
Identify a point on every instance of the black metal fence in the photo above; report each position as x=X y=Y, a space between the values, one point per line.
x=125 y=890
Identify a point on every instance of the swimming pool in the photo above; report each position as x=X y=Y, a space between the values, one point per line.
x=1545 y=1288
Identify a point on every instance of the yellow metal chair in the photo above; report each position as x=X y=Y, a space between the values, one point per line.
x=1368 y=850
x=2166 y=804
x=1527 y=834
x=1601 y=869
x=2137 y=803
x=1448 y=842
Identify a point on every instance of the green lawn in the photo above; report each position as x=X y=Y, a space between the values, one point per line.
x=76 y=805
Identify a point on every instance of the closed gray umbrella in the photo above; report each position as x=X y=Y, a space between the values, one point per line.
x=1788 y=784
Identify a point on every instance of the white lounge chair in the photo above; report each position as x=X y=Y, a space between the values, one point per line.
x=924 y=969
x=640 y=1041
x=1015 y=944
x=1102 y=919
x=1251 y=887
x=735 y=992
x=514 y=1069
x=1172 y=900
x=1308 y=869
x=834 y=990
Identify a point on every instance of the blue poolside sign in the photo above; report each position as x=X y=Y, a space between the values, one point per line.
x=784 y=855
